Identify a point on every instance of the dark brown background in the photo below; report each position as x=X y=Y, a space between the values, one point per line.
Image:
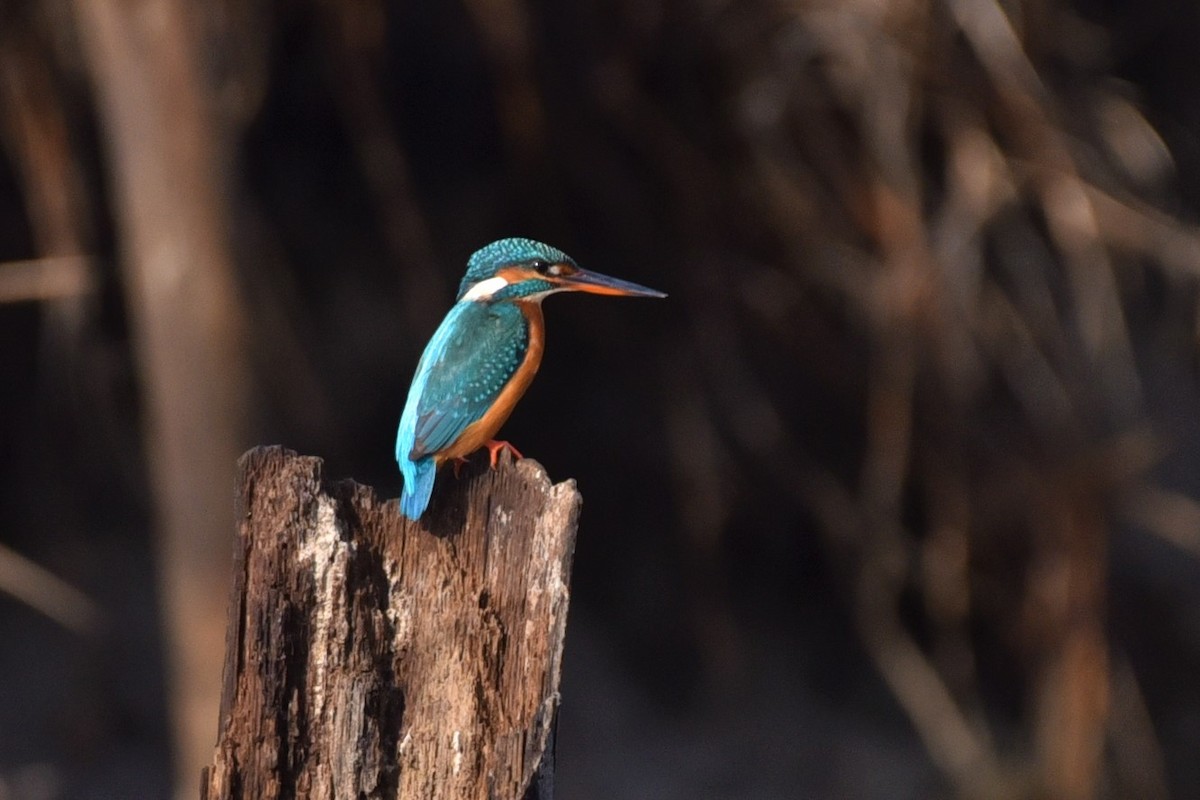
x=895 y=495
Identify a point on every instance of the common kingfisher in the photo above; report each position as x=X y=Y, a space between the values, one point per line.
x=483 y=356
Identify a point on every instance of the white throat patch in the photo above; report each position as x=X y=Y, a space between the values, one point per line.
x=485 y=289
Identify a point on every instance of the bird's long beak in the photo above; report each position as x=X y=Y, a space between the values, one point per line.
x=583 y=281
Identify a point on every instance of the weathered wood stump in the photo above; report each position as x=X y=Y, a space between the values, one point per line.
x=371 y=657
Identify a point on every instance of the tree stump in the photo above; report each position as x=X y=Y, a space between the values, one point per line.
x=371 y=657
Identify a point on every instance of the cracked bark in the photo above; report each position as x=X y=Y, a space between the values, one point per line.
x=371 y=657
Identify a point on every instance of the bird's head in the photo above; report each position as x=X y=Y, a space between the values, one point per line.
x=516 y=269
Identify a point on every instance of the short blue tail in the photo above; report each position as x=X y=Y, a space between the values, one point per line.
x=418 y=486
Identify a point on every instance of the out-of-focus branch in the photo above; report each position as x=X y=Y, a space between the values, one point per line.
x=1066 y=612
x=168 y=175
x=960 y=749
x=34 y=122
x=504 y=28
x=1173 y=516
x=1136 y=228
x=352 y=37
x=35 y=130
x=50 y=278
x=44 y=591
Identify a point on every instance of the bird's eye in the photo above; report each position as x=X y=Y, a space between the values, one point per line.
x=549 y=269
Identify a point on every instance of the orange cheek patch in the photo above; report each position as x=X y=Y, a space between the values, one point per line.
x=516 y=274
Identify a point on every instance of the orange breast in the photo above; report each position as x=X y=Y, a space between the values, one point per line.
x=478 y=433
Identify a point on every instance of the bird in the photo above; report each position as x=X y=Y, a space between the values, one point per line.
x=483 y=356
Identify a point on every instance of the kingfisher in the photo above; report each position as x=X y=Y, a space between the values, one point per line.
x=483 y=356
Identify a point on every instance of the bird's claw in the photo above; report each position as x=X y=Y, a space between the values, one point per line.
x=494 y=447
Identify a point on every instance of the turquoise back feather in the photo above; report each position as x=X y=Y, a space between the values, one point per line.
x=471 y=357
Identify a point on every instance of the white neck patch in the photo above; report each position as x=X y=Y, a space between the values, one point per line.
x=485 y=289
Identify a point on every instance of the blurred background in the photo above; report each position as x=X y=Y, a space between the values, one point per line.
x=896 y=496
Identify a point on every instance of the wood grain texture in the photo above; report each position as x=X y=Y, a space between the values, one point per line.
x=372 y=657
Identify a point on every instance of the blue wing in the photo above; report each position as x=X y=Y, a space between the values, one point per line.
x=474 y=353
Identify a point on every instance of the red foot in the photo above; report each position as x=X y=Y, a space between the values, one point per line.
x=457 y=465
x=494 y=447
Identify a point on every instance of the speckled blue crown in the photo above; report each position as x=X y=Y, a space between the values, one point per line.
x=487 y=261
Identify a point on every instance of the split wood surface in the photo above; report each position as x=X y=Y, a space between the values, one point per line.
x=372 y=657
